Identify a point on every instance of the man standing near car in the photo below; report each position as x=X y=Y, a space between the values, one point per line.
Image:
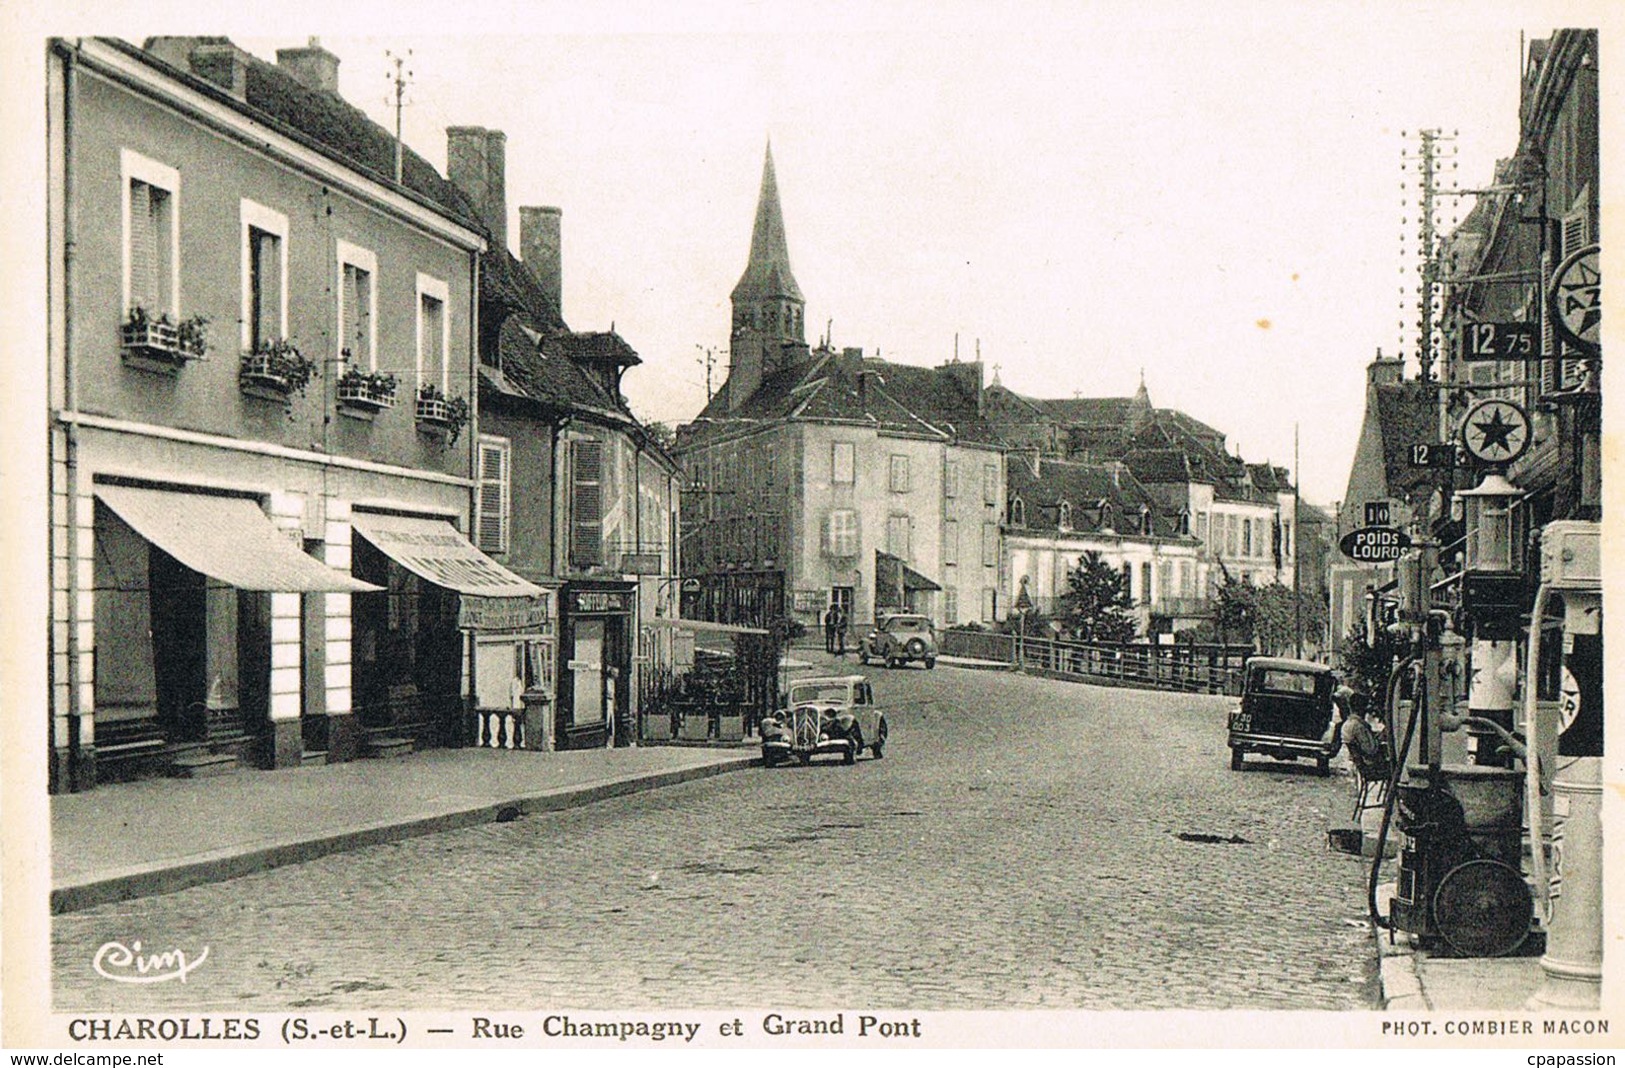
x=829 y=627
x=840 y=631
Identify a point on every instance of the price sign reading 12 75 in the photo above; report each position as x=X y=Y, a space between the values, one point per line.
x=1501 y=341
x=1435 y=454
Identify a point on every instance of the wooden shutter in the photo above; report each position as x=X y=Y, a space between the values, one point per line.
x=1574 y=237
x=143 y=249
x=586 y=504
x=491 y=519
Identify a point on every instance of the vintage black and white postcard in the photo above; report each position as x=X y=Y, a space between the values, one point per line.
x=766 y=526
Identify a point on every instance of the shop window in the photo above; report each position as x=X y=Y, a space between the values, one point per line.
x=491 y=518
x=151 y=236
x=586 y=503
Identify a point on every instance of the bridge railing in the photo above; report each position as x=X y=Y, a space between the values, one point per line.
x=1186 y=667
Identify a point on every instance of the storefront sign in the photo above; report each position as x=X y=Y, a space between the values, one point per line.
x=1376 y=513
x=532 y=614
x=1375 y=545
x=1575 y=300
x=1495 y=431
x=640 y=563
x=598 y=601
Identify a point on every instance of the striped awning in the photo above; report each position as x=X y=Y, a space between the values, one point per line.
x=433 y=549
x=226 y=538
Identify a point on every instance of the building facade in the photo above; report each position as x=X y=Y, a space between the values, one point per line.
x=819 y=477
x=245 y=319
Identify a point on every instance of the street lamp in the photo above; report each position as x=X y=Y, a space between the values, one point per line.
x=1492 y=598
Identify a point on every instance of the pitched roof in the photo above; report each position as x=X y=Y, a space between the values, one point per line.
x=1407 y=413
x=890 y=397
x=1083 y=486
x=767 y=274
x=1089 y=411
x=326 y=121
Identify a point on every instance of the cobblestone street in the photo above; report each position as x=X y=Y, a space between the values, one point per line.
x=1019 y=846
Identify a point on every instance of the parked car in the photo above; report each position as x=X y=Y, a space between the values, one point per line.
x=1286 y=712
x=834 y=714
x=897 y=639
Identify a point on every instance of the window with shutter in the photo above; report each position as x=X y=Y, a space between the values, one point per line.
x=151 y=238
x=1575 y=237
x=950 y=542
x=433 y=331
x=586 y=503
x=950 y=607
x=899 y=474
x=990 y=544
x=897 y=536
x=491 y=515
x=990 y=484
x=357 y=290
x=265 y=275
x=950 y=479
x=841 y=462
x=842 y=525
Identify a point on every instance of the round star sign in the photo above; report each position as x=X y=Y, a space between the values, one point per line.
x=1495 y=431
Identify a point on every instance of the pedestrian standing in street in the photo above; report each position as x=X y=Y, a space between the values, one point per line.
x=829 y=628
x=840 y=631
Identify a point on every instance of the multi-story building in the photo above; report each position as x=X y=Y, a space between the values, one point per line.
x=1061 y=509
x=1240 y=514
x=575 y=495
x=819 y=477
x=261 y=368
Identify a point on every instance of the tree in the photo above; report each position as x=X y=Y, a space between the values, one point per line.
x=663 y=434
x=1366 y=666
x=1094 y=607
x=1263 y=616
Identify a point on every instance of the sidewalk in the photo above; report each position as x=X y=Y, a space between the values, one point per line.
x=1417 y=980
x=150 y=837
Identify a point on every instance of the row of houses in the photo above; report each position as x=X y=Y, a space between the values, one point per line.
x=819 y=476
x=330 y=474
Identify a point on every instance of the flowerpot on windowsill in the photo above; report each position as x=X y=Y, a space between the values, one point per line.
x=153 y=345
x=440 y=416
x=359 y=391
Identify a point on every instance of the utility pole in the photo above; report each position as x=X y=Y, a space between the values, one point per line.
x=1430 y=165
x=1292 y=543
x=399 y=81
x=709 y=360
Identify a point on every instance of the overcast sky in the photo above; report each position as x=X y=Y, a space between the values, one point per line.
x=1208 y=192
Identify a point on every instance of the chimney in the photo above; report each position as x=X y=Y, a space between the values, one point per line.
x=1384 y=372
x=477 y=163
x=213 y=59
x=542 y=251
x=314 y=66
x=968 y=377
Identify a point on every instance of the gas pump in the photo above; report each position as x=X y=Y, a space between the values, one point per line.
x=1459 y=879
x=1570 y=758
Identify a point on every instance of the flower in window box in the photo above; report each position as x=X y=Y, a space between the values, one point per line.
x=278 y=365
x=373 y=390
x=436 y=411
x=152 y=337
x=193 y=337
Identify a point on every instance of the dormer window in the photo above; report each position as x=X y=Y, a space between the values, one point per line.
x=1106 y=519
x=1018 y=512
x=1065 y=520
x=1145 y=520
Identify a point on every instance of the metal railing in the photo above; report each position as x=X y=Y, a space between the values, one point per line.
x=1184 y=667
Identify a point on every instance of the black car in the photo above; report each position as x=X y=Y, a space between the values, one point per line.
x=1286 y=712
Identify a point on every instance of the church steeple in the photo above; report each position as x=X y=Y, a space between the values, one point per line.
x=767 y=298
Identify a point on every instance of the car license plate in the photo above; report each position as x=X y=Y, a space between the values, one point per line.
x=1242 y=722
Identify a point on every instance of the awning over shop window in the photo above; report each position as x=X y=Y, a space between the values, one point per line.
x=226 y=538
x=892 y=574
x=433 y=549
x=701 y=626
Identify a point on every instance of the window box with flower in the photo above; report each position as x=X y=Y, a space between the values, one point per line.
x=366 y=391
x=159 y=343
x=275 y=370
x=438 y=414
